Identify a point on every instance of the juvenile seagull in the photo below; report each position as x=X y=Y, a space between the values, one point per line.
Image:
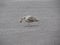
x=29 y=19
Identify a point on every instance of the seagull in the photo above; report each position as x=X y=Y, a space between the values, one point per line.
x=29 y=19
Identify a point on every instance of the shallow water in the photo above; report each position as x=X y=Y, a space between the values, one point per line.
x=45 y=32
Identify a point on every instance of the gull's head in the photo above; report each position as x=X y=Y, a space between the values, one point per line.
x=20 y=21
x=23 y=18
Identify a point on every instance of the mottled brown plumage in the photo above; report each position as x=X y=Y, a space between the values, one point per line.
x=29 y=19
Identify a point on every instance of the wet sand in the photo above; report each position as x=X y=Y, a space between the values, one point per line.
x=46 y=32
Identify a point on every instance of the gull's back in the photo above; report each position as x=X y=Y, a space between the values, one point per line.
x=31 y=19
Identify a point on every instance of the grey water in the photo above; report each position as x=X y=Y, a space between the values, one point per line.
x=45 y=32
